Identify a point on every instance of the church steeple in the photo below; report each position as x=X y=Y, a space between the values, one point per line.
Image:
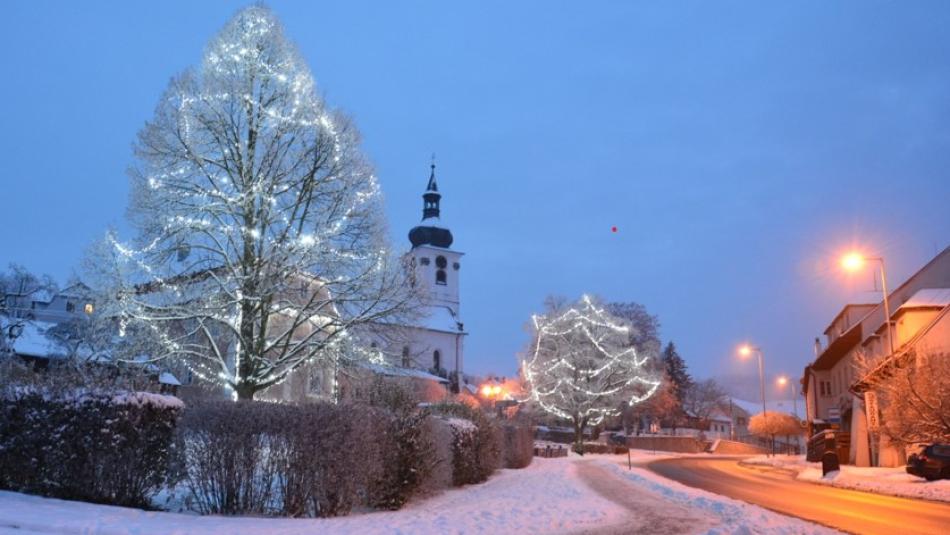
x=431 y=231
x=430 y=199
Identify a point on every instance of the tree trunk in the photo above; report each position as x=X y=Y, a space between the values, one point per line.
x=245 y=393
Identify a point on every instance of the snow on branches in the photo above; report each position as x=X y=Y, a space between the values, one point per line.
x=583 y=368
x=260 y=239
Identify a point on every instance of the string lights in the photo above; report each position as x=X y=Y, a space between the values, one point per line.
x=582 y=368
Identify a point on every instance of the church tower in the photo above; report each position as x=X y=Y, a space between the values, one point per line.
x=437 y=268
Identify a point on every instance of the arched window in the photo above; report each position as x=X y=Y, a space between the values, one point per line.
x=440 y=277
x=437 y=360
x=406 y=361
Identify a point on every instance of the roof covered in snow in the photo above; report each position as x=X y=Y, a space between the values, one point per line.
x=441 y=319
x=33 y=341
x=397 y=371
x=928 y=298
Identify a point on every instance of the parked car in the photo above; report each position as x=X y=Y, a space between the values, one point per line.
x=933 y=462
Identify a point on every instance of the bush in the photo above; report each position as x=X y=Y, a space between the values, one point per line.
x=518 y=446
x=407 y=462
x=476 y=447
x=99 y=447
x=267 y=458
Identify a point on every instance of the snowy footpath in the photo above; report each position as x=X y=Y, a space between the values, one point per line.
x=889 y=481
x=596 y=494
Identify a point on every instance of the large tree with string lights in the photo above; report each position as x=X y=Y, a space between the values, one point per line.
x=260 y=242
x=582 y=366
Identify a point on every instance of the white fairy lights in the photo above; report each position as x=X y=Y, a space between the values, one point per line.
x=582 y=368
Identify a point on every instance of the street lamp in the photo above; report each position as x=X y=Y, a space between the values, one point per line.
x=746 y=351
x=854 y=261
x=782 y=381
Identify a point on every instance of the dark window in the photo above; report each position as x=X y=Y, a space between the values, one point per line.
x=456 y=266
x=440 y=262
x=406 y=362
x=437 y=360
x=70 y=307
x=440 y=277
x=424 y=261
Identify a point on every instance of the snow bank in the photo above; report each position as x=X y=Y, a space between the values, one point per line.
x=733 y=516
x=889 y=481
x=545 y=497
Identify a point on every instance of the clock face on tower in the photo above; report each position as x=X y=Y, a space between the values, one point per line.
x=440 y=262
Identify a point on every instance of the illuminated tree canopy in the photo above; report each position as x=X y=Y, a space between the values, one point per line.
x=260 y=234
x=582 y=366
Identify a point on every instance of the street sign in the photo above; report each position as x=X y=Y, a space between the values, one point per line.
x=870 y=405
x=834 y=415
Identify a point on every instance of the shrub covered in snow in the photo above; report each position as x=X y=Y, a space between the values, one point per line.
x=476 y=446
x=87 y=445
x=275 y=459
x=408 y=460
x=518 y=446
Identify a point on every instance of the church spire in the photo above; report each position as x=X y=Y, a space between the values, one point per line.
x=431 y=231
x=431 y=198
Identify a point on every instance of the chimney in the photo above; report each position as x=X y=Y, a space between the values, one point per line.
x=817 y=346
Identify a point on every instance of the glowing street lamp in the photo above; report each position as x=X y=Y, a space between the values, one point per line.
x=782 y=381
x=746 y=351
x=854 y=261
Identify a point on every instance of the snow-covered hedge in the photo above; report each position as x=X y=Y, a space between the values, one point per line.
x=93 y=446
x=302 y=460
x=518 y=446
x=477 y=443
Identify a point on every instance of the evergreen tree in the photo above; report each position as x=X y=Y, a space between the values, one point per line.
x=675 y=368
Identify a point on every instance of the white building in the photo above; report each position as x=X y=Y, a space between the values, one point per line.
x=435 y=343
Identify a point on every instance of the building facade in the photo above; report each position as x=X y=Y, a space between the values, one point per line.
x=836 y=385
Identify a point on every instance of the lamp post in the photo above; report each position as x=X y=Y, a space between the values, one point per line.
x=855 y=261
x=782 y=381
x=746 y=351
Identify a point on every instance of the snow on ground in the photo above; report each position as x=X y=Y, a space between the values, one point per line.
x=890 y=481
x=550 y=496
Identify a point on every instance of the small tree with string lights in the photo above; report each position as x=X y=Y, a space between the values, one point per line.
x=582 y=368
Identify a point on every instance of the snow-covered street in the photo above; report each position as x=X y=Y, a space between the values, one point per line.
x=595 y=494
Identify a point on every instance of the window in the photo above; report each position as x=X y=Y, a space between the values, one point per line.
x=440 y=262
x=440 y=277
x=70 y=306
x=424 y=261
x=89 y=309
x=437 y=360
x=406 y=361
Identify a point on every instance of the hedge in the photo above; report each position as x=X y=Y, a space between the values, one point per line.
x=98 y=447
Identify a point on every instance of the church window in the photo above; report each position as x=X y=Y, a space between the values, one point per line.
x=437 y=360
x=406 y=362
x=456 y=266
x=424 y=261
x=440 y=262
x=440 y=277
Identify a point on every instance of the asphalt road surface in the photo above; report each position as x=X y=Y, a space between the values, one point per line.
x=775 y=489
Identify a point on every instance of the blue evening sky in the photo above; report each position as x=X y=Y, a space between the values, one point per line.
x=738 y=147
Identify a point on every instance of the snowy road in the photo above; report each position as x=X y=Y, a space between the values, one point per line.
x=847 y=510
